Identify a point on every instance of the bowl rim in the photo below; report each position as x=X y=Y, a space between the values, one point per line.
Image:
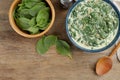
x=96 y=50
x=22 y=33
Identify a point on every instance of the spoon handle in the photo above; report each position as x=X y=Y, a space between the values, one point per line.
x=114 y=50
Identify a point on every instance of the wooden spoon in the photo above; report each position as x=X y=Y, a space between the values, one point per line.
x=105 y=64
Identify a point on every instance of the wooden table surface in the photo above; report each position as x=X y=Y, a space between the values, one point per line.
x=20 y=61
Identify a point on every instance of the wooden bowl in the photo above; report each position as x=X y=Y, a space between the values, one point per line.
x=22 y=33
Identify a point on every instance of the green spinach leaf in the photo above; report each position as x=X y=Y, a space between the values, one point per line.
x=24 y=13
x=23 y=23
x=30 y=3
x=43 y=17
x=50 y=40
x=32 y=22
x=63 y=48
x=35 y=9
x=33 y=29
x=45 y=26
x=25 y=1
x=40 y=47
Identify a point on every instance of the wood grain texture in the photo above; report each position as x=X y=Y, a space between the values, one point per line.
x=19 y=60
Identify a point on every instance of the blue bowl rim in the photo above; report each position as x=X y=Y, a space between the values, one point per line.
x=96 y=50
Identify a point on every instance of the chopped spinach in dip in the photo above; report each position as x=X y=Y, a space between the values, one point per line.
x=93 y=24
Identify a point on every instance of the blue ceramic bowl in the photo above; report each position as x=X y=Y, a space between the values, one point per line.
x=96 y=50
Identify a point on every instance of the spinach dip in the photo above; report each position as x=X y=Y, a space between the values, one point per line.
x=93 y=24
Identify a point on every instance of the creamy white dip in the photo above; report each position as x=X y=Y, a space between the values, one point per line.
x=93 y=24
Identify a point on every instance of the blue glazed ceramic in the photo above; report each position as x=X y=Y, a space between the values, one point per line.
x=96 y=50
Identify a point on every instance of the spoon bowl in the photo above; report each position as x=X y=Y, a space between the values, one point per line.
x=103 y=65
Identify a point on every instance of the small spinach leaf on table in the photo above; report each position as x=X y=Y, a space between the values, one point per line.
x=45 y=43
x=63 y=48
x=40 y=47
x=50 y=40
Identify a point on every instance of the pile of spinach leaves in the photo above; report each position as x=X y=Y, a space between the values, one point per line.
x=32 y=16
